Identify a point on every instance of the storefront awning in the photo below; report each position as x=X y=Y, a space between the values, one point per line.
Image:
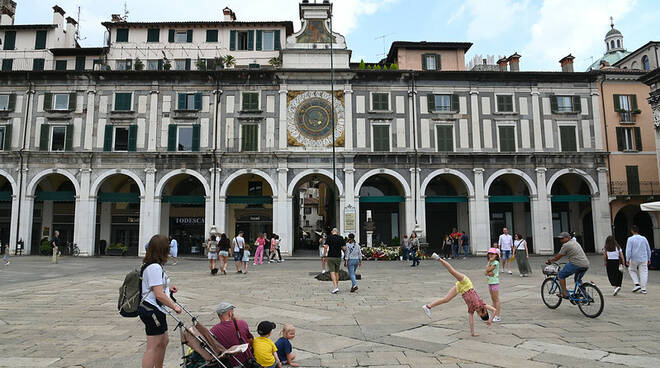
x=571 y=198
x=249 y=200
x=181 y=199
x=119 y=197
x=5 y=196
x=446 y=199
x=650 y=206
x=508 y=199
x=382 y=199
x=56 y=196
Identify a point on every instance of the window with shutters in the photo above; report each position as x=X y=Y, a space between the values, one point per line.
x=182 y=64
x=123 y=101
x=80 y=63
x=153 y=35
x=7 y=65
x=268 y=43
x=4 y=102
x=242 y=40
x=507 y=138
x=629 y=139
x=626 y=106
x=568 y=138
x=564 y=103
x=211 y=35
x=40 y=41
x=122 y=35
x=381 y=137
x=120 y=139
x=504 y=103
x=154 y=64
x=181 y=36
x=9 y=43
x=380 y=101
x=38 y=64
x=58 y=138
x=3 y=134
x=632 y=178
x=250 y=101
x=445 y=138
x=431 y=62
x=60 y=64
x=60 y=101
x=189 y=101
x=124 y=64
x=249 y=138
x=184 y=140
x=442 y=103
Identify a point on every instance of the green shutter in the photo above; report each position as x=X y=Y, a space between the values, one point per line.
x=122 y=35
x=73 y=100
x=259 y=36
x=554 y=105
x=507 y=139
x=189 y=36
x=40 y=42
x=11 y=105
x=430 y=100
x=107 y=138
x=195 y=137
x=232 y=40
x=153 y=35
x=423 y=61
x=211 y=35
x=170 y=35
x=43 y=137
x=250 y=40
x=277 y=40
x=455 y=104
x=445 y=138
x=7 y=65
x=6 y=145
x=171 y=137
x=381 y=138
x=187 y=64
x=182 y=101
x=633 y=102
x=438 y=62
x=80 y=63
x=132 y=137
x=617 y=104
x=632 y=176
x=198 y=101
x=38 y=65
x=620 y=139
x=68 y=138
x=638 y=139
x=567 y=137
x=249 y=137
x=48 y=101
x=577 y=104
x=10 y=40
x=123 y=101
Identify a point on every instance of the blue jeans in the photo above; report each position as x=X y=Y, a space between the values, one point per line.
x=570 y=269
x=455 y=247
x=352 y=267
x=465 y=249
x=415 y=259
x=405 y=253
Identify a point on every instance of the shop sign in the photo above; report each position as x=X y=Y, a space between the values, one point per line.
x=189 y=220
x=255 y=218
x=132 y=220
x=349 y=218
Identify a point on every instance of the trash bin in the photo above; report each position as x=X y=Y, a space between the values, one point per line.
x=655 y=259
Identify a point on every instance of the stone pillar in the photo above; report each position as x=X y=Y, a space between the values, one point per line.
x=282 y=211
x=282 y=139
x=348 y=117
x=208 y=217
x=479 y=215
x=106 y=222
x=474 y=116
x=598 y=132
x=600 y=210
x=218 y=222
x=349 y=199
x=89 y=120
x=221 y=213
x=13 y=225
x=149 y=217
x=27 y=209
x=153 y=136
x=542 y=216
x=417 y=211
x=85 y=207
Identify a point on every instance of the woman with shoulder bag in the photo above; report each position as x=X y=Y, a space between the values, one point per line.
x=614 y=263
x=212 y=249
x=156 y=291
x=519 y=246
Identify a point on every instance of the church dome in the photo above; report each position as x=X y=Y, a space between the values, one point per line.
x=613 y=32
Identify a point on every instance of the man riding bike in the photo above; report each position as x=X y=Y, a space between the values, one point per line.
x=578 y=263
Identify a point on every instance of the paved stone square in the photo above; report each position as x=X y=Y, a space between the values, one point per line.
x=65 y=315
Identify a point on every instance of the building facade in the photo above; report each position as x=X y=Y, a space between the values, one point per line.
x=115 y=156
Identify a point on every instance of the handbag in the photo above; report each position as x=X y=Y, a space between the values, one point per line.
x=250 y=362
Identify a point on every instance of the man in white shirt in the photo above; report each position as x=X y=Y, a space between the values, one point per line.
x=506 y=245
x=638 y=256
x=239 y=244
x=174 y=250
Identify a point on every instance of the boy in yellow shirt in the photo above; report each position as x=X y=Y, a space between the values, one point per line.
x=265 y=351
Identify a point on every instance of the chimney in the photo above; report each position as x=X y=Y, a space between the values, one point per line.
x=116 y=18
x=514 y=62
x=71 y=32
x=230 y=16
x=6 y=16
x=604 y=64
x=501 y=63
x=567 y=63
x=58 y=16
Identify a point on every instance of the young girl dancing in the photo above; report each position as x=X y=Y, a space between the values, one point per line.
x=470 y=296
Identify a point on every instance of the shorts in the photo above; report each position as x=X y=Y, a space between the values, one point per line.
x=223 y=253
x=568 y=270
x=174 y=252
x=246 y=256
x=334 y=264
x=213 y=255
x=321 y=252
x=494 y=287
x=506 y=254
x=155 y=321
x=237 y=256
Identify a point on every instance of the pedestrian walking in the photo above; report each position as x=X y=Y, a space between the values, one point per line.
x=278 y=244
x=212 y=250
x=493 y=280
x=245 y=258
x=224 y=249
x=55 y=243
x=465 y=243
x=465 y=288
x=5 y=253
x=238 y=245
x=174 y=249
x=156 y=291
x=505 y=245
x=638 y=256
x=447 y=245
x=414 y=249
x=352 y=260
x=405 y=248
x=522 y=258
x=614 y=263
x=267 y=246
x=259 y=253
x=332 y=252
x=274 y=248
x=324 y=261
x=455 y=235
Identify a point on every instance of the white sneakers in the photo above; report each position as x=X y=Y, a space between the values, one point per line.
x=335 y=291
x=497 y=319
x=426 y=310
x=510 y=273
x=616 y=290
x=636 y=288
x=643 y=291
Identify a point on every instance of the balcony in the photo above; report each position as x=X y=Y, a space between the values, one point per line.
x=626 y=116
x=631 y=188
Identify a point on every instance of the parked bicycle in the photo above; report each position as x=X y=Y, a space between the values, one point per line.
x=586 y=295
x=70 y=249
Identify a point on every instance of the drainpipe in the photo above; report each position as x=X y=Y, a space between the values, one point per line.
x=30 y=93
x=607 y=143
x=413 y=94
x=218 y=95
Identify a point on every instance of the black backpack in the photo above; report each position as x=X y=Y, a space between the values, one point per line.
x=130 y=293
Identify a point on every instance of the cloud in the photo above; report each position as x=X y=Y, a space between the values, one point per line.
x=491 y=19
x=576 y=27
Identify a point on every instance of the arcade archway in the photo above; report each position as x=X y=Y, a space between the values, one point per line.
x=509 y=206
x=249 y=207
x=446 y=198
x=315 y=210
x=183 y=212
x=54 y=210
x=118 y=214
x=571 y=210
x=383 y=196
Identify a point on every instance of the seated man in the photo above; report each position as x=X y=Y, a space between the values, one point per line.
x=578 y=263
x=226 y=331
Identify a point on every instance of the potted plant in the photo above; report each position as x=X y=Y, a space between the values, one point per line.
x=117 y=249
x=362 y=65
x=201 y=64
x=45 y=248
x=394 y=66
x=229 y=61
x=139 y=65
x=275 y=62
x=167 y=65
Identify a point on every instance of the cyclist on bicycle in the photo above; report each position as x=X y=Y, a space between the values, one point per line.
x=578 y=263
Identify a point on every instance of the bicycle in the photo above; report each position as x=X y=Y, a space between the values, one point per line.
x=70 y=249
x=586 y=295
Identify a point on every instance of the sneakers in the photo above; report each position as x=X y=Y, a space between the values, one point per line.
x=616 y=290
x=521 y=275
x=174 y=264
x=510 y=273
x=643 y=291
x=335 y=291
x=426 y=310
x=636 y=288
x=497 y=319
x=354 y=289
x=323 y=271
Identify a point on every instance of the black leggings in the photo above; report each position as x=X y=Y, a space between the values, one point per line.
x=447 y=250
x=613 y=272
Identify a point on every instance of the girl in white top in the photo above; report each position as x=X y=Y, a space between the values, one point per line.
x=156 y=289
x=521 y=252
x=613 y=257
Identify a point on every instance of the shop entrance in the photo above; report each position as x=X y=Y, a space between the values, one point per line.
x=571 y=210
x=183 y=213
x=314 y=211
x=384 y=197
x=249 y=207
x=510 y=207
x=54 y=210
x=118 y=215
x=446 y=200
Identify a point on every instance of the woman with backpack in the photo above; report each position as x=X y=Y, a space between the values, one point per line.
x=156 y=291
x=212 y=249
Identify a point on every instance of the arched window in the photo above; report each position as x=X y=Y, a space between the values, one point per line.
x=612 y=44
x=618 y=43
x=633 y=65
x=645 y=62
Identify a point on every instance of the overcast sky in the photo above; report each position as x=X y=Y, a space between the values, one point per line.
x=542 y=31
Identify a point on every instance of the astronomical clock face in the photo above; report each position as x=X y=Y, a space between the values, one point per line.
x=309 y=119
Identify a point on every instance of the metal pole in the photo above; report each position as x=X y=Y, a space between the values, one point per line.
x=332 y=119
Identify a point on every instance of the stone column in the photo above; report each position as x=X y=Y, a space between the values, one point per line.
x=13 y=225
x=89 y=120
x=349 y=199
x=282 y=215
x=282 y=139
x=27 y=209
x=348 y=117
x=218 y=223
x=474 y=116
x=598 y=132
x=600 y=210
x=542 y=216
x=409 y=208
x=85 y=210
x=479 y=215
x=417 y=220
x=153 y=136
x=149 y=210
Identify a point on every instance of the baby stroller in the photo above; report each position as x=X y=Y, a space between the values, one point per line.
x=204 y=349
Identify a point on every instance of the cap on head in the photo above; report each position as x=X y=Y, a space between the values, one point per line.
x=563 y=235
x=224 y=307
x=335 y=231
x=265 y=327
x=493 y=251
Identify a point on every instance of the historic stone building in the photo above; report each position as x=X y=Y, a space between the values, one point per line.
x=119 y=155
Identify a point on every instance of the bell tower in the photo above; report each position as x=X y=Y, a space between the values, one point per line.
x=613 y=39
